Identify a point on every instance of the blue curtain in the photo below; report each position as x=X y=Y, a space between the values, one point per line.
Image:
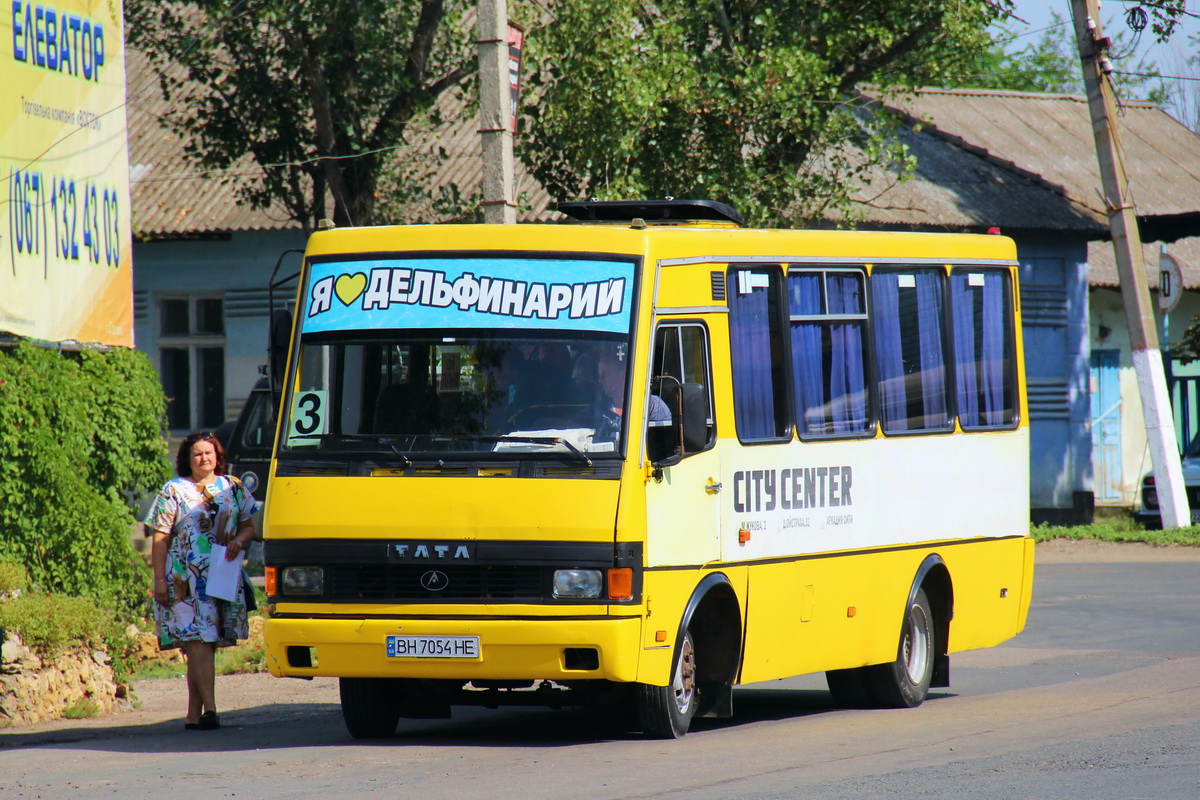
x=750 y=342
x=804 y=298
x=994 y=367
x=962 y=299
x=847 y=381
x=889 y=355
x=932 y=358
x=982 y=322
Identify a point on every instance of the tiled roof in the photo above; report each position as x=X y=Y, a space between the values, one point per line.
x=1049 y=138
x=1102 y=262
x=953 y=189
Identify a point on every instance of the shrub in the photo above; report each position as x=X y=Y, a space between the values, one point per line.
x=80 y=440
x=52 y=624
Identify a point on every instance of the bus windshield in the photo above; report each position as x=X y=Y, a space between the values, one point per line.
x=441 y=393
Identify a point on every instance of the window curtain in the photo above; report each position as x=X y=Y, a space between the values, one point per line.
x=981 y=325
x=994 y=362
x=750 y=343
x=962 y=299
x=932 y=359
x=889 y=354
x=804 y=295
x=847 y=382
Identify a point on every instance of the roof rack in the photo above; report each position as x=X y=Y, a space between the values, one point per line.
x=649 y=211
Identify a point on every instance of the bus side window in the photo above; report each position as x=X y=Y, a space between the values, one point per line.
x=681 y=379
x=828 y=315
x=760 y=391
x=908 y=308
x=984 y=360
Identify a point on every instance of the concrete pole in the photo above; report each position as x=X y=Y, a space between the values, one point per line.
x=495 y=115
x=1131 y=269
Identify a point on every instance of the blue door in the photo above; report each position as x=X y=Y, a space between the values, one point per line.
x=1106 y=427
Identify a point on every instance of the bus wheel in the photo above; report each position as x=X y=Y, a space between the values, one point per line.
x=665 y=712
x=905 y=682
x=370 y=706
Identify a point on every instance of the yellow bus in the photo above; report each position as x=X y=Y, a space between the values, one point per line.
x=643 y=457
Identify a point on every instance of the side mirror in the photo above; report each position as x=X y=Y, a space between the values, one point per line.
x=277 y=353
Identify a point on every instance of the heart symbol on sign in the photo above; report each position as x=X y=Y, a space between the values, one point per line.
x=349 y=287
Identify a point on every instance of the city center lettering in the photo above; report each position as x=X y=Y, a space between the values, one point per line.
x=800 y=487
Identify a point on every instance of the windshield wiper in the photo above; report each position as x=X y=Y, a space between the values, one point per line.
x=368 y=437
x=534 y=440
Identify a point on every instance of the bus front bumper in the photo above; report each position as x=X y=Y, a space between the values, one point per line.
x=525 y=649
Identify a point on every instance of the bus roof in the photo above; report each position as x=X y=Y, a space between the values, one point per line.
x=717 y=241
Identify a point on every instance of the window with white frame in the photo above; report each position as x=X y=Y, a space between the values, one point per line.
x=191 y=353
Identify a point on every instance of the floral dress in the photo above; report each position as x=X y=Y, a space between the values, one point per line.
x=196 y=518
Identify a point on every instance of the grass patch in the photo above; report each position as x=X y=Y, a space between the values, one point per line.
x=247 y=657
x=1118 y=528
x=82 y=709
x=157 y=670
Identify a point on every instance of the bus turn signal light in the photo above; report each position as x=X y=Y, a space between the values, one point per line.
x=270 y=581
x=620 y=584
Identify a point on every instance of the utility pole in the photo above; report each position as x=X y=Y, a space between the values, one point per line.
x=495 y=113
x=1131 y=269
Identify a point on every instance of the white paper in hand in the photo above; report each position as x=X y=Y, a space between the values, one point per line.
x=224 y=577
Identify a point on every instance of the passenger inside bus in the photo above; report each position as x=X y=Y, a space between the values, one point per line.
x=411 y=406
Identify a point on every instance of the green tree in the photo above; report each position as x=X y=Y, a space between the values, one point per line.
x=319 y=93
x=748 y=101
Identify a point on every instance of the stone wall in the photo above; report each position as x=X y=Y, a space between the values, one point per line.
x=32 y=691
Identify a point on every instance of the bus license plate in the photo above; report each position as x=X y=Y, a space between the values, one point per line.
x=433 y=647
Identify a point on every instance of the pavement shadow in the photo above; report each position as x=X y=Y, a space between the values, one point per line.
x=298 y=725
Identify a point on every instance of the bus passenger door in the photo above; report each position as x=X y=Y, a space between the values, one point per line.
x=683 y=500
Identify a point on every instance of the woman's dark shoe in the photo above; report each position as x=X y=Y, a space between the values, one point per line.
x=191 y=726
x=209 y=721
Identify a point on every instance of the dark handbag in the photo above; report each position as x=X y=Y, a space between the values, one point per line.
x=248 y=592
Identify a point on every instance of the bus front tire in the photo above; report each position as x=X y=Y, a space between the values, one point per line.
x=902 y=683
x=370 y=706
x=665 y=712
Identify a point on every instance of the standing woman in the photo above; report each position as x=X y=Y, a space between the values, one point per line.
x=200 y=508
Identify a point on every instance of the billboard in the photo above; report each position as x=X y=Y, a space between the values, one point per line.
x=65 y=234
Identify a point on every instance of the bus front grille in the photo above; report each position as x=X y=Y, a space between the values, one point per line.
x=406 y=582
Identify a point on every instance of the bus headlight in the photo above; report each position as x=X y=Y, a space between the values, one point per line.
x=303 y=580
x=577 y=583
x=1150 y=499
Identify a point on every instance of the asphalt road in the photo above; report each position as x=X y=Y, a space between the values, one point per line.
x=1099 y=698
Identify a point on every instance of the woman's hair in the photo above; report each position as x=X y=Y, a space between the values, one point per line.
x=183 y=459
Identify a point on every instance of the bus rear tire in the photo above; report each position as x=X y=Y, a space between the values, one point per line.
x=370 y=706
x=665 y=712
x=904 y=683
